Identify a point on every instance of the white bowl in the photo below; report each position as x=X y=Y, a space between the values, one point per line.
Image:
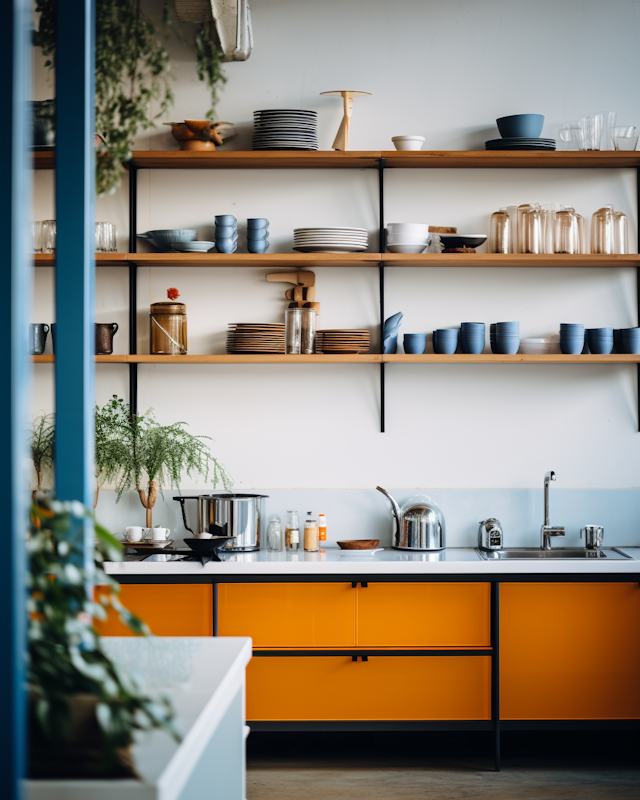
x=203 y=535
x=406 y=248
x=535 y=347
x=193 y=247
x=408 y=142
x=407 y=238
x=413 y=228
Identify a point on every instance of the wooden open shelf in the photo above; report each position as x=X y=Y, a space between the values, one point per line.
x=489 y=358
x=306 y=260
x=330 y=159
x=367 y=358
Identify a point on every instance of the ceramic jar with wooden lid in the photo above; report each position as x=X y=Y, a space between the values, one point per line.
x=168 y=329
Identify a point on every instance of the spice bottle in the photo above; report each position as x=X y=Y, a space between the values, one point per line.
x=322 y=528
x=311 y=534
x=274 y=534
x=292 y=531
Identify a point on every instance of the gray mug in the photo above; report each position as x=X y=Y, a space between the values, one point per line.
x=37 y=338
x=593 y=536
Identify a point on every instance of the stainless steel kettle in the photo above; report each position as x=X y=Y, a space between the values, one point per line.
x=239 y=514
x=419 y=525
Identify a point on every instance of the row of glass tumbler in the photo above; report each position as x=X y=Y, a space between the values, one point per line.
x=546 y=229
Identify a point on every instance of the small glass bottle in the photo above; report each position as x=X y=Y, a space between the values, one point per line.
x=292 y=531
x=311 y=543
x=500 y=239
x=274 y=534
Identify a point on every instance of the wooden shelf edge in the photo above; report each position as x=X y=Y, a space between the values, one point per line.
x=490 y=358
x=250 y=358
x=516 y=260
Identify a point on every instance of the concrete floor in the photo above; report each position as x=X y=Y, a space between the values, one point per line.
x=447 y=766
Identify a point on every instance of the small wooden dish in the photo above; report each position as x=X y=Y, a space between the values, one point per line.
x=359 y=544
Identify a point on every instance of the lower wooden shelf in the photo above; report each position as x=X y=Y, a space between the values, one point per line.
x=367 y=358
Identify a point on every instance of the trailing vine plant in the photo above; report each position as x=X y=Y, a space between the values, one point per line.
x=41 y=446
x=133 y=71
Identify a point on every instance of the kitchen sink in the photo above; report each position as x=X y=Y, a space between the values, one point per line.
x=565 y=553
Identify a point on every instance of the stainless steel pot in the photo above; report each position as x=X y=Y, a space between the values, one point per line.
x=239 y=515
x=418 y=525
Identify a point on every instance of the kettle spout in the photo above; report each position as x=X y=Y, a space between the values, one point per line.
x=397 y=511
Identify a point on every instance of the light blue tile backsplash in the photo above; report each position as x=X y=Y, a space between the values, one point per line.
x=366 y=513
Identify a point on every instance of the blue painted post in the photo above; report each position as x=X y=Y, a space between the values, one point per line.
x=75 y=254
x=15 y=201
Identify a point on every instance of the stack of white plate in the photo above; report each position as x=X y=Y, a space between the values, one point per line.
x=330 y=240
x=285 y=129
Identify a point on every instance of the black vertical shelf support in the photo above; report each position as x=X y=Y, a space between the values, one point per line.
x=381 y=249
x=495 y=670
x=133 y=288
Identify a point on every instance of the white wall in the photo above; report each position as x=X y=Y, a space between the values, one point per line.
x=446 y=71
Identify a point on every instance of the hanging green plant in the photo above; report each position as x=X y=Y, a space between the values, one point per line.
x=133 y=71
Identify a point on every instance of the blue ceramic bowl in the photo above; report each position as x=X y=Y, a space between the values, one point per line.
x=445 y=341
x=508 y=345
x=257 y=222
x=521 y=125
x=472 y=346
x=415 y=344
x=226 y=219
x=571 y=347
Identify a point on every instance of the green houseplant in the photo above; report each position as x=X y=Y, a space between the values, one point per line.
x=41 y=447
x=84 y=708
x=133 y=71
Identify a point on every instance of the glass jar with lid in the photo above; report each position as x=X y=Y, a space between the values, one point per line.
x=274 y=534
x=500 y=238
x=311 y=534
x=292 y=531
x=168 y=329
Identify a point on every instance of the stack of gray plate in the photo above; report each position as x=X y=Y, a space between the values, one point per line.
x=330 y=240
x=285 y=129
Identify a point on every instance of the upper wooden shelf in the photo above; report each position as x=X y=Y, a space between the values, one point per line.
x=330 y=159
x=490 y=358
x=306 y=260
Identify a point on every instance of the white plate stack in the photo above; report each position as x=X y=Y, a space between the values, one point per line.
x=285 y=129
x=330 y=240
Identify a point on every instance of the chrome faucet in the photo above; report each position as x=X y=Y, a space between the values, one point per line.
x=547 y=530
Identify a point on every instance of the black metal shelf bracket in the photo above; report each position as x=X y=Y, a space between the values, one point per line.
x=133 y=288
x=381 y=249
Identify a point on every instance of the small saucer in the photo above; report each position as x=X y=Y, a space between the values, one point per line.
x=359 y=553
x=146 y=544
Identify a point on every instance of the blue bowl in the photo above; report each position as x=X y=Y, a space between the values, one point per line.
x=571 y=347
x=257 y=222
x=473 y=346
x=226 y=219
x=415 y=343
x=508 y=347
x=226 y=246
x=601 y=348
x=472 y=326
x=527 y=126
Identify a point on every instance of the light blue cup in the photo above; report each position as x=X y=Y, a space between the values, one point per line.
x=225 y=231
x=445 y=341
x=226 y=219
x=258 y=234
x=227 y=245
x=258 y=245
x=257 y=223
x=415 y=343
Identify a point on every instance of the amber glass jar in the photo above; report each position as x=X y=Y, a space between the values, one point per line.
x=168 y=329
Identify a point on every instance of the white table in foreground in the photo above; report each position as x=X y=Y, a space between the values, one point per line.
x=205 y=679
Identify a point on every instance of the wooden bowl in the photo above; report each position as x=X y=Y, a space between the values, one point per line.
x=359 y=544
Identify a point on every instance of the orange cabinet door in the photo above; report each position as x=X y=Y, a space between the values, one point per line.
x=288 y=614
x=569 y=651
x=383 y=688
x=424 y=615
x=168 y=609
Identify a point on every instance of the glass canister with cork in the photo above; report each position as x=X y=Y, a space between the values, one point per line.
x=168 y=326
x=311 y=537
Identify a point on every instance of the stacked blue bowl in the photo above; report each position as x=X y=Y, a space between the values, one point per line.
x=571 y=338
x=226 y=235
x=472 y=337
x=600 y=341
x=630 y=338
x=415 y=343
x=445 y=341
x=258 y=235
x=507 y=338
x=492 y=338
x=617 y=341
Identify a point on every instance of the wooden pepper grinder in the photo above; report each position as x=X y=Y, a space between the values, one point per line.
x=303 y=295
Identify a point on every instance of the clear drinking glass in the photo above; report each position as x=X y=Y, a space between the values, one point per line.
x=603 y=239
x=607 y=141
x=49 y=236
x=570 y=134
x=591 y=132
x=522 y=210
x=548 y=226
x=620 y=232
x=105 y=237
x=533 y=230
x=624 y=138
x=36 y=231
x=567 y=231
x=500 y=232
x=300 y=330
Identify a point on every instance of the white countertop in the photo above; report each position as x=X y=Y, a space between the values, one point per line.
x=452 y=561
x=201 y=676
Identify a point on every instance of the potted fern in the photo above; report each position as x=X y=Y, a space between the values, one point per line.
x=41 y=447
x=84 y=709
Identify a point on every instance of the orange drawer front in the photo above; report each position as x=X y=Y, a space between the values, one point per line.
x=382 y=688
x=569 y=651
x=288 y=614
x=168 y=610
x=424 y=615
